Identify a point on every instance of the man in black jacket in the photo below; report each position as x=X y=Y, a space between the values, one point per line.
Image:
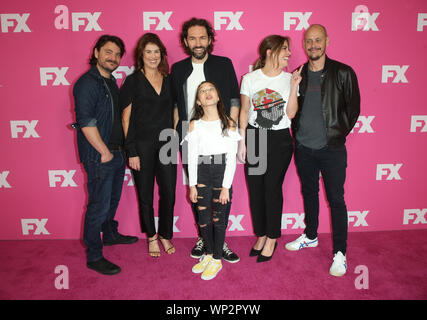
x=197 y=39
x=329 y=106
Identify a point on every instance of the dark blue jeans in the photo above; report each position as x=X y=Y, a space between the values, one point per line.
x=332 y=163
x=104 y=187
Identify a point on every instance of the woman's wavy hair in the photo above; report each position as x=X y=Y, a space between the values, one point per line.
x=274 y=43
x=139 y=53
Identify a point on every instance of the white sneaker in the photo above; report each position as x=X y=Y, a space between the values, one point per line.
x=301 y=242
x=203 y=263
x=339 y=266
x=212 y=269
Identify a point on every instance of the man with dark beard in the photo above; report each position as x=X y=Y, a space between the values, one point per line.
x=329 y=106
x=99 y=140
x=197 y=38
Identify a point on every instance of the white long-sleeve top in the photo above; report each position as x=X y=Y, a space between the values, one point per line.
x=206 y=139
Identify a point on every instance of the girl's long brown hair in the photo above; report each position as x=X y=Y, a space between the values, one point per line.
x=274 y=43
x=139 y=52
x=226 y=121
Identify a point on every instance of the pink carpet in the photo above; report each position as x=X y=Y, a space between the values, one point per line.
x=396 y=262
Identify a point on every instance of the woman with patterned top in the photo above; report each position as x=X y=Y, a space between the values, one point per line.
x=269 y=101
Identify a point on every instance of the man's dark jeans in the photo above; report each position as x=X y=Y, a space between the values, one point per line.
x=104 y=187
x=332 y=163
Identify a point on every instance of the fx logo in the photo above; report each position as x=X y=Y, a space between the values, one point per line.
x=419 y=121
x=236 y=222
x=49 y=73
x=221 y=17
x=28 y=128
x=3 y=181
x=150 y=18
x=9 y=20
x=129 y=177
x=296 y=220
x=62 y=175
x=28 y=224
x=390 y=170
x=422 y=21
x=358 y=218
x=417 y=214
x=364 y=123
x=395 y=72
x=77 y=19
x=289 y=19
x=123 y=70
x=361 y=19
x=175 y=219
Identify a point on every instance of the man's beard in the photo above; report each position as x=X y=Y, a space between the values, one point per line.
x=107 y=67
x=201 y=55
x=315 y=58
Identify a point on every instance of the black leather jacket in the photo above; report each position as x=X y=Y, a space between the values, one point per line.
x=340 y=100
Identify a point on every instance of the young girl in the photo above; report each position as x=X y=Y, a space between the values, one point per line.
x=212 y=148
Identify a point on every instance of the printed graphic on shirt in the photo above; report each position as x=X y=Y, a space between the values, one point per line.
x=269 y=106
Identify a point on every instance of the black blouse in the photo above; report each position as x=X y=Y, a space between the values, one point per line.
x=151 y=112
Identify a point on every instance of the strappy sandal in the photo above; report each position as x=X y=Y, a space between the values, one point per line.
x=153 y=252
x=168 y=249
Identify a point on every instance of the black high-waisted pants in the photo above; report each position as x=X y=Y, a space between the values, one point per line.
x=153 y=169
x=265 y=190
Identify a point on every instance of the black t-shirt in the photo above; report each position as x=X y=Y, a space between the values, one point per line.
x=116 y=138
x=151 y=112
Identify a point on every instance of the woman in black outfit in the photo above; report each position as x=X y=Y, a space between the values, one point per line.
x=147 y=109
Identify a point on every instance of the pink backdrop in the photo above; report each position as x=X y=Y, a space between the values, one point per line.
x=45 y=47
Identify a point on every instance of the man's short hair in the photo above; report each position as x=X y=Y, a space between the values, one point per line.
x=201 y=23
x=102 y=41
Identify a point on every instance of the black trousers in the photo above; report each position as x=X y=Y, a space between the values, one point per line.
x=332 y=163
x=165 y=174
x=265 y=190
x=211 y=213
x=194 y=205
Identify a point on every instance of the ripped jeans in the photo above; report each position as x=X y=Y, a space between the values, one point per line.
x=211 y=213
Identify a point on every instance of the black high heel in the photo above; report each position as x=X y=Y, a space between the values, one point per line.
x=254 y=252
x=262 y=258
